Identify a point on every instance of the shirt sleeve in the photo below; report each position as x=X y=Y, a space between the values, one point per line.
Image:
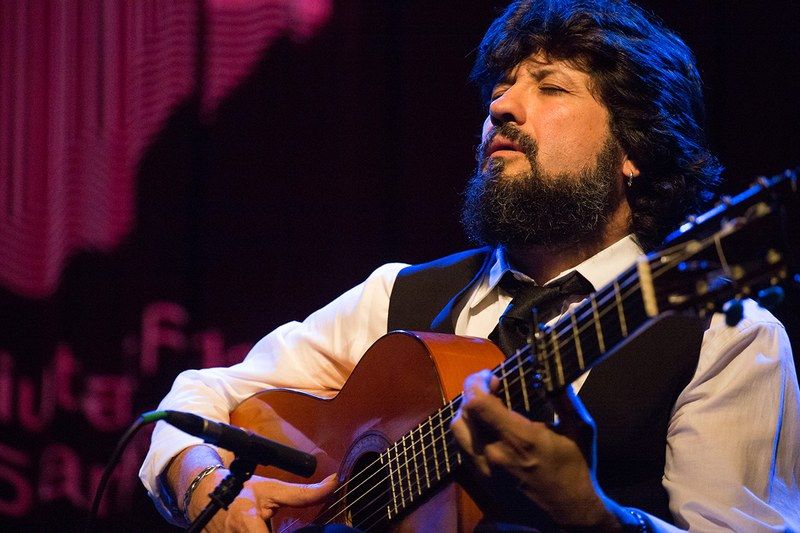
x=317 y=354
x=733 y=443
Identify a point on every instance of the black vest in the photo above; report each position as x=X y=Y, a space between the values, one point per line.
x=630 y=395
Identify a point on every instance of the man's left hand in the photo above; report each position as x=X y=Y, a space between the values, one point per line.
x=553 y=464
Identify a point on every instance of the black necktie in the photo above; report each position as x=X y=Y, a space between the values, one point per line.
x=514 y=326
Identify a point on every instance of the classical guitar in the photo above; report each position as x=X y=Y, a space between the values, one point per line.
x=386 y=433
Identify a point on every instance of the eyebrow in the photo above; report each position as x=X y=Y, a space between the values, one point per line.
x=539 y=73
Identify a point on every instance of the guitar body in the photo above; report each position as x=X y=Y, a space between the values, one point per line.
x=401 y=380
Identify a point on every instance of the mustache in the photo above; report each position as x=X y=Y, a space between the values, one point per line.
x=512 y=133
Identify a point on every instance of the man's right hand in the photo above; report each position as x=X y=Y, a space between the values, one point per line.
x=257 y=502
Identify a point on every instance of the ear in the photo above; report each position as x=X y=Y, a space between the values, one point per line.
x=629 y=168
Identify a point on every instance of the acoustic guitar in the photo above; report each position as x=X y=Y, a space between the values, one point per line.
x=387 y=432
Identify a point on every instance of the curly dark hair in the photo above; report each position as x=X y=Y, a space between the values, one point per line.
x=643 y=73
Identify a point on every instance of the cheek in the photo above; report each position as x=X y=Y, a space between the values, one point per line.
x=578 y=137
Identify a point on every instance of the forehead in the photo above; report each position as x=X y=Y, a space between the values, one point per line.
x=541 y=65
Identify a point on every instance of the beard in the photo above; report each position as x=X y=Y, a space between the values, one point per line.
x=536 y=208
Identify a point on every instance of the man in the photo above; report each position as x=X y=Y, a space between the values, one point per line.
x=592 y=150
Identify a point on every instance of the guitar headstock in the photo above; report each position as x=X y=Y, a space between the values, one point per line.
x=744 y=247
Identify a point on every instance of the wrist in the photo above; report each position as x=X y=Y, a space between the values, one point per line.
x=612 y=517
x=179 y=474
x=194 y=484
x=637 y=521
x=629 y=519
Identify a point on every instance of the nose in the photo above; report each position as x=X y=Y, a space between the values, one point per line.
x=507 y=108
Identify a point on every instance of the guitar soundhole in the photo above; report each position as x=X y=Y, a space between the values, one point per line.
x=368 y=494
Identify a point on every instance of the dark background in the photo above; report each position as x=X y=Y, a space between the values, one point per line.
x=331 y=158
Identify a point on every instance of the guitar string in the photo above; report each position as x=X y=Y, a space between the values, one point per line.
x=604 y=300
x=631 y=276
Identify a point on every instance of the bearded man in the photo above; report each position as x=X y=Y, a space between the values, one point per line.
x=592 y=151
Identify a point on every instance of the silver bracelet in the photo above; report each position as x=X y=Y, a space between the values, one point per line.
x=187 y=496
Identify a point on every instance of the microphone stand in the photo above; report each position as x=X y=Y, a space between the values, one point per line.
x=240 y=471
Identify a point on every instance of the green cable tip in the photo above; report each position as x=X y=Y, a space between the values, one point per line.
x=153 y=416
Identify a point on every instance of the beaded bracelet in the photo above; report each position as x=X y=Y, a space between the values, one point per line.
x=187 y=496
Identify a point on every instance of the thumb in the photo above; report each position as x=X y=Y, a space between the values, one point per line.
x=302 y=495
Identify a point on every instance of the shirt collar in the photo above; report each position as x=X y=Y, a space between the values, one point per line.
x=600 y=269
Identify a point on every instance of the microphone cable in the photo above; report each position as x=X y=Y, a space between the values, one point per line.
x=139 y=423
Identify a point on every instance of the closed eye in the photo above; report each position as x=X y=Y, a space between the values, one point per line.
x=498 y=92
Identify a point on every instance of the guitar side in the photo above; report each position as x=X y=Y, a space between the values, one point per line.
x=380 y=402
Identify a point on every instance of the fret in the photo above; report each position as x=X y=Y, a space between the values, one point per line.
x=399 y=477
x=408 y=469
x=414 y=455
x=522 y=383
x=647 y=288
x=424 y=458
x=557 y=357
x=620 y=310
x=504 y=384
x=541 y=357
x=421 y=455
x=433 y=446
x=576 y=339
x=457 y=453
x=388 y=463
x=444 y=442
x=597 y=324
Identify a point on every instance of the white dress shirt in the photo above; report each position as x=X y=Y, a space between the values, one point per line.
x=733 y=443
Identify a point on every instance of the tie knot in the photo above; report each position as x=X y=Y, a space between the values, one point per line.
x=572 y=283
x=512 y=285
x=513 y=329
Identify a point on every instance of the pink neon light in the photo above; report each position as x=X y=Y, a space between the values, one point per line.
x=85 y=87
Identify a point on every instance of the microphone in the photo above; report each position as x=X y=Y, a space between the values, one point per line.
x=246 y=445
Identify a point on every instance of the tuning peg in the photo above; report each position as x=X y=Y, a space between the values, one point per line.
x=770 y=297
x=734 y=311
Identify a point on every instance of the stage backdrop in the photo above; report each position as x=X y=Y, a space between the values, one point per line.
x=178 y=178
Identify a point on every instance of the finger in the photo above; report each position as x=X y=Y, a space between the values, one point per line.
x=488 y=414
x=461 y=431
x=575 y=423
x=300 y=495
x=479 y=383
x=570 y=410
x=499 y=454
x=469 y=438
